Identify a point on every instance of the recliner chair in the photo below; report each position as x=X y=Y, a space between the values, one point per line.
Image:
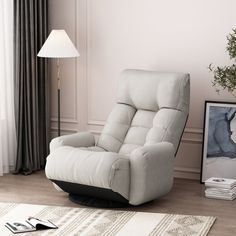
x=132 y=161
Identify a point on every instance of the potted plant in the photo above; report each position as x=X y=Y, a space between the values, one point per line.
x=225 y=77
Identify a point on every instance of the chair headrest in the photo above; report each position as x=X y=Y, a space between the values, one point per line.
x=151 y=90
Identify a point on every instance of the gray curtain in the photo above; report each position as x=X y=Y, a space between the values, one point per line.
x=31 y=85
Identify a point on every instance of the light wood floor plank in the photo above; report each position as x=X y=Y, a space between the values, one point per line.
x=186 y=197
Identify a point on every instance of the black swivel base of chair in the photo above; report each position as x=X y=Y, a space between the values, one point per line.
x=92 y=196
x=96 y=202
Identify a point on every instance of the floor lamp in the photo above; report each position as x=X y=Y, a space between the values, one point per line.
x=58 y=45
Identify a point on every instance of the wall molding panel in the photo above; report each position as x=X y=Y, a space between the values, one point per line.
x=64 y=130
x=96 y=122
x=65 y=120
x=193 y=130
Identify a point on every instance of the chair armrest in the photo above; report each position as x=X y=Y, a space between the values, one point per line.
x=151 y=172
x=83 y=139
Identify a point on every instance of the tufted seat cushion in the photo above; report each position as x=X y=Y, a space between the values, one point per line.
x=92 y=168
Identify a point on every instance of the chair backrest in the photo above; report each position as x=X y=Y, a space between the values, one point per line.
x=151 y=107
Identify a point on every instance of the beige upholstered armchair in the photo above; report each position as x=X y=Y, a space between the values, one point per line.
x=132 y=162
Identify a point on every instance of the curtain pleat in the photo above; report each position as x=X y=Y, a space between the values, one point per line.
x=31 y=85
x=7 y=116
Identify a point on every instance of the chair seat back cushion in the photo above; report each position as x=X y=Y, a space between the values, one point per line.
x=151 y=107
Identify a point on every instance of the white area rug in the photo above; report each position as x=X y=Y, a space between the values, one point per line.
x=97 y=222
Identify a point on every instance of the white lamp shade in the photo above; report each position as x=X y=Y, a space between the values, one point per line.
x=58 y=45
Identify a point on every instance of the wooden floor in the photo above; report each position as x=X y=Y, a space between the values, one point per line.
x=186 y=197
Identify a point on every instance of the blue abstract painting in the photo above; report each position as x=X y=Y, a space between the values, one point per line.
x=219 y=146
x=221 y=132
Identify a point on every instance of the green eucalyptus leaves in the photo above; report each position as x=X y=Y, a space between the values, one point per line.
x=225 y=77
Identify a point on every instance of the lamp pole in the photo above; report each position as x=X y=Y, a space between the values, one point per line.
x=58 y=98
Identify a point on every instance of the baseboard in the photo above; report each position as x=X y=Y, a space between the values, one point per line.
x=187 y=173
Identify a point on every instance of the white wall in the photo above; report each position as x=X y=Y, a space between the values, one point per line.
x=165 y=35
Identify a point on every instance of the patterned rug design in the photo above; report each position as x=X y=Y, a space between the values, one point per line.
x=99 y=222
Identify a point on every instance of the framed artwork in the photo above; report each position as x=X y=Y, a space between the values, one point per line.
x=219 y=141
